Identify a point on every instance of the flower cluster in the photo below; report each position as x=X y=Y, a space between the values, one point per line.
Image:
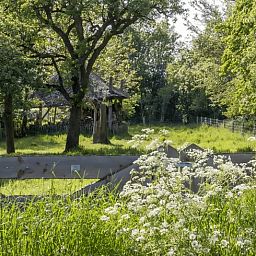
x=169 y=210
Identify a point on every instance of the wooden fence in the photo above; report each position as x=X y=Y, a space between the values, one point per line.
x=233 y=125
x=111 y=171
x=86 y=129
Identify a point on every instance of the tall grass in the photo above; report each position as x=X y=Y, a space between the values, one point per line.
x=162 y=211
x=58 y=227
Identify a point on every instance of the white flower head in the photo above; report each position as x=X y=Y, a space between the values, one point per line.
x=104 y=218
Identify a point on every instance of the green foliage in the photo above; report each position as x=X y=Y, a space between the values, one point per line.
x=155 y=45
x=239 y=57
x=115 y=62
x=70 y=34
x=16 y=71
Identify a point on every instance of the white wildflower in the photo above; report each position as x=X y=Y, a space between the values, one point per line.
x=192 y=236
x=224 y=243
x=171 y=252
x=135 y=232
x=196 y=245
x=164 y=132
x=104 y=218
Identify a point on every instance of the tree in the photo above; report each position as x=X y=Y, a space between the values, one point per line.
x=155 y=46
x=194 y=77
x=15 y=75
x=69 y=36
x=114 y=65
x=239 y=58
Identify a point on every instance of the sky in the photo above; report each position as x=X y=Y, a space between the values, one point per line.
x=180 y=26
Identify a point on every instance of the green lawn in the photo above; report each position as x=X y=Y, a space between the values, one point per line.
x=42 y=186
x=218 y=139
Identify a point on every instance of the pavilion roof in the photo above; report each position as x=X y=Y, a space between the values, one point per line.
x=98 y=90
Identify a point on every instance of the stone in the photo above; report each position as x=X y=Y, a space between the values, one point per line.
x=183 y=154
x=170 y=151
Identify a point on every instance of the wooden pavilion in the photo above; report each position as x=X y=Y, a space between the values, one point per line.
x=104 y=98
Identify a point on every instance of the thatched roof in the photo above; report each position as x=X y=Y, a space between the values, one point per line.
x=98 y=90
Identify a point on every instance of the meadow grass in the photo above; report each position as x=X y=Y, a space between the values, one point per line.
x=220 y=140
x=42 y=186
x=64 y=228
x=162 y=217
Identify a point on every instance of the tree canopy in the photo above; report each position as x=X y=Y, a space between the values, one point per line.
x=69 y=36
x=239 y=57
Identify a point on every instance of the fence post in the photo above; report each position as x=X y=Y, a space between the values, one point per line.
x=201 y=120
x=254 y=130
x=233 y=126
x=197 y=120
x=242 y=128
x=223 y=123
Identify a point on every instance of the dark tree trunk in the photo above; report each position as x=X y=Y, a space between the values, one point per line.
x=100 y=129
x=24 y=124
x=8 y=123
x=163 y=109
x=74 y=128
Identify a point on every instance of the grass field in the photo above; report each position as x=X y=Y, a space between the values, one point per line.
x=42 y=186
x=218 y=139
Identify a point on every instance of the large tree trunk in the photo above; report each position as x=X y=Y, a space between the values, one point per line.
x=74 y=128
x=8 y=123
x=100 y=131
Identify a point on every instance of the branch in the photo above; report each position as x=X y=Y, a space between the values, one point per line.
x=79 y=26
x=42 y=55
x=97 y=52
x=70 y=27
x=60 y=87
x=95 y=39
x=49 y=22
x=62 y=90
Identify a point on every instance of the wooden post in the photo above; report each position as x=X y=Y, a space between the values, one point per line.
x=100 y=134
x=40 y=115
x=95 y=114
x=110 y=116
x=54 y=116
x=242 y=128
x=233 y=126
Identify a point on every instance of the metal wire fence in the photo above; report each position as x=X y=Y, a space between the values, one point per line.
x=233 y=125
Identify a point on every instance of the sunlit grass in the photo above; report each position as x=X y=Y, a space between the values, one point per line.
x=42 y=186
x=56 y=227
x=218 y=139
